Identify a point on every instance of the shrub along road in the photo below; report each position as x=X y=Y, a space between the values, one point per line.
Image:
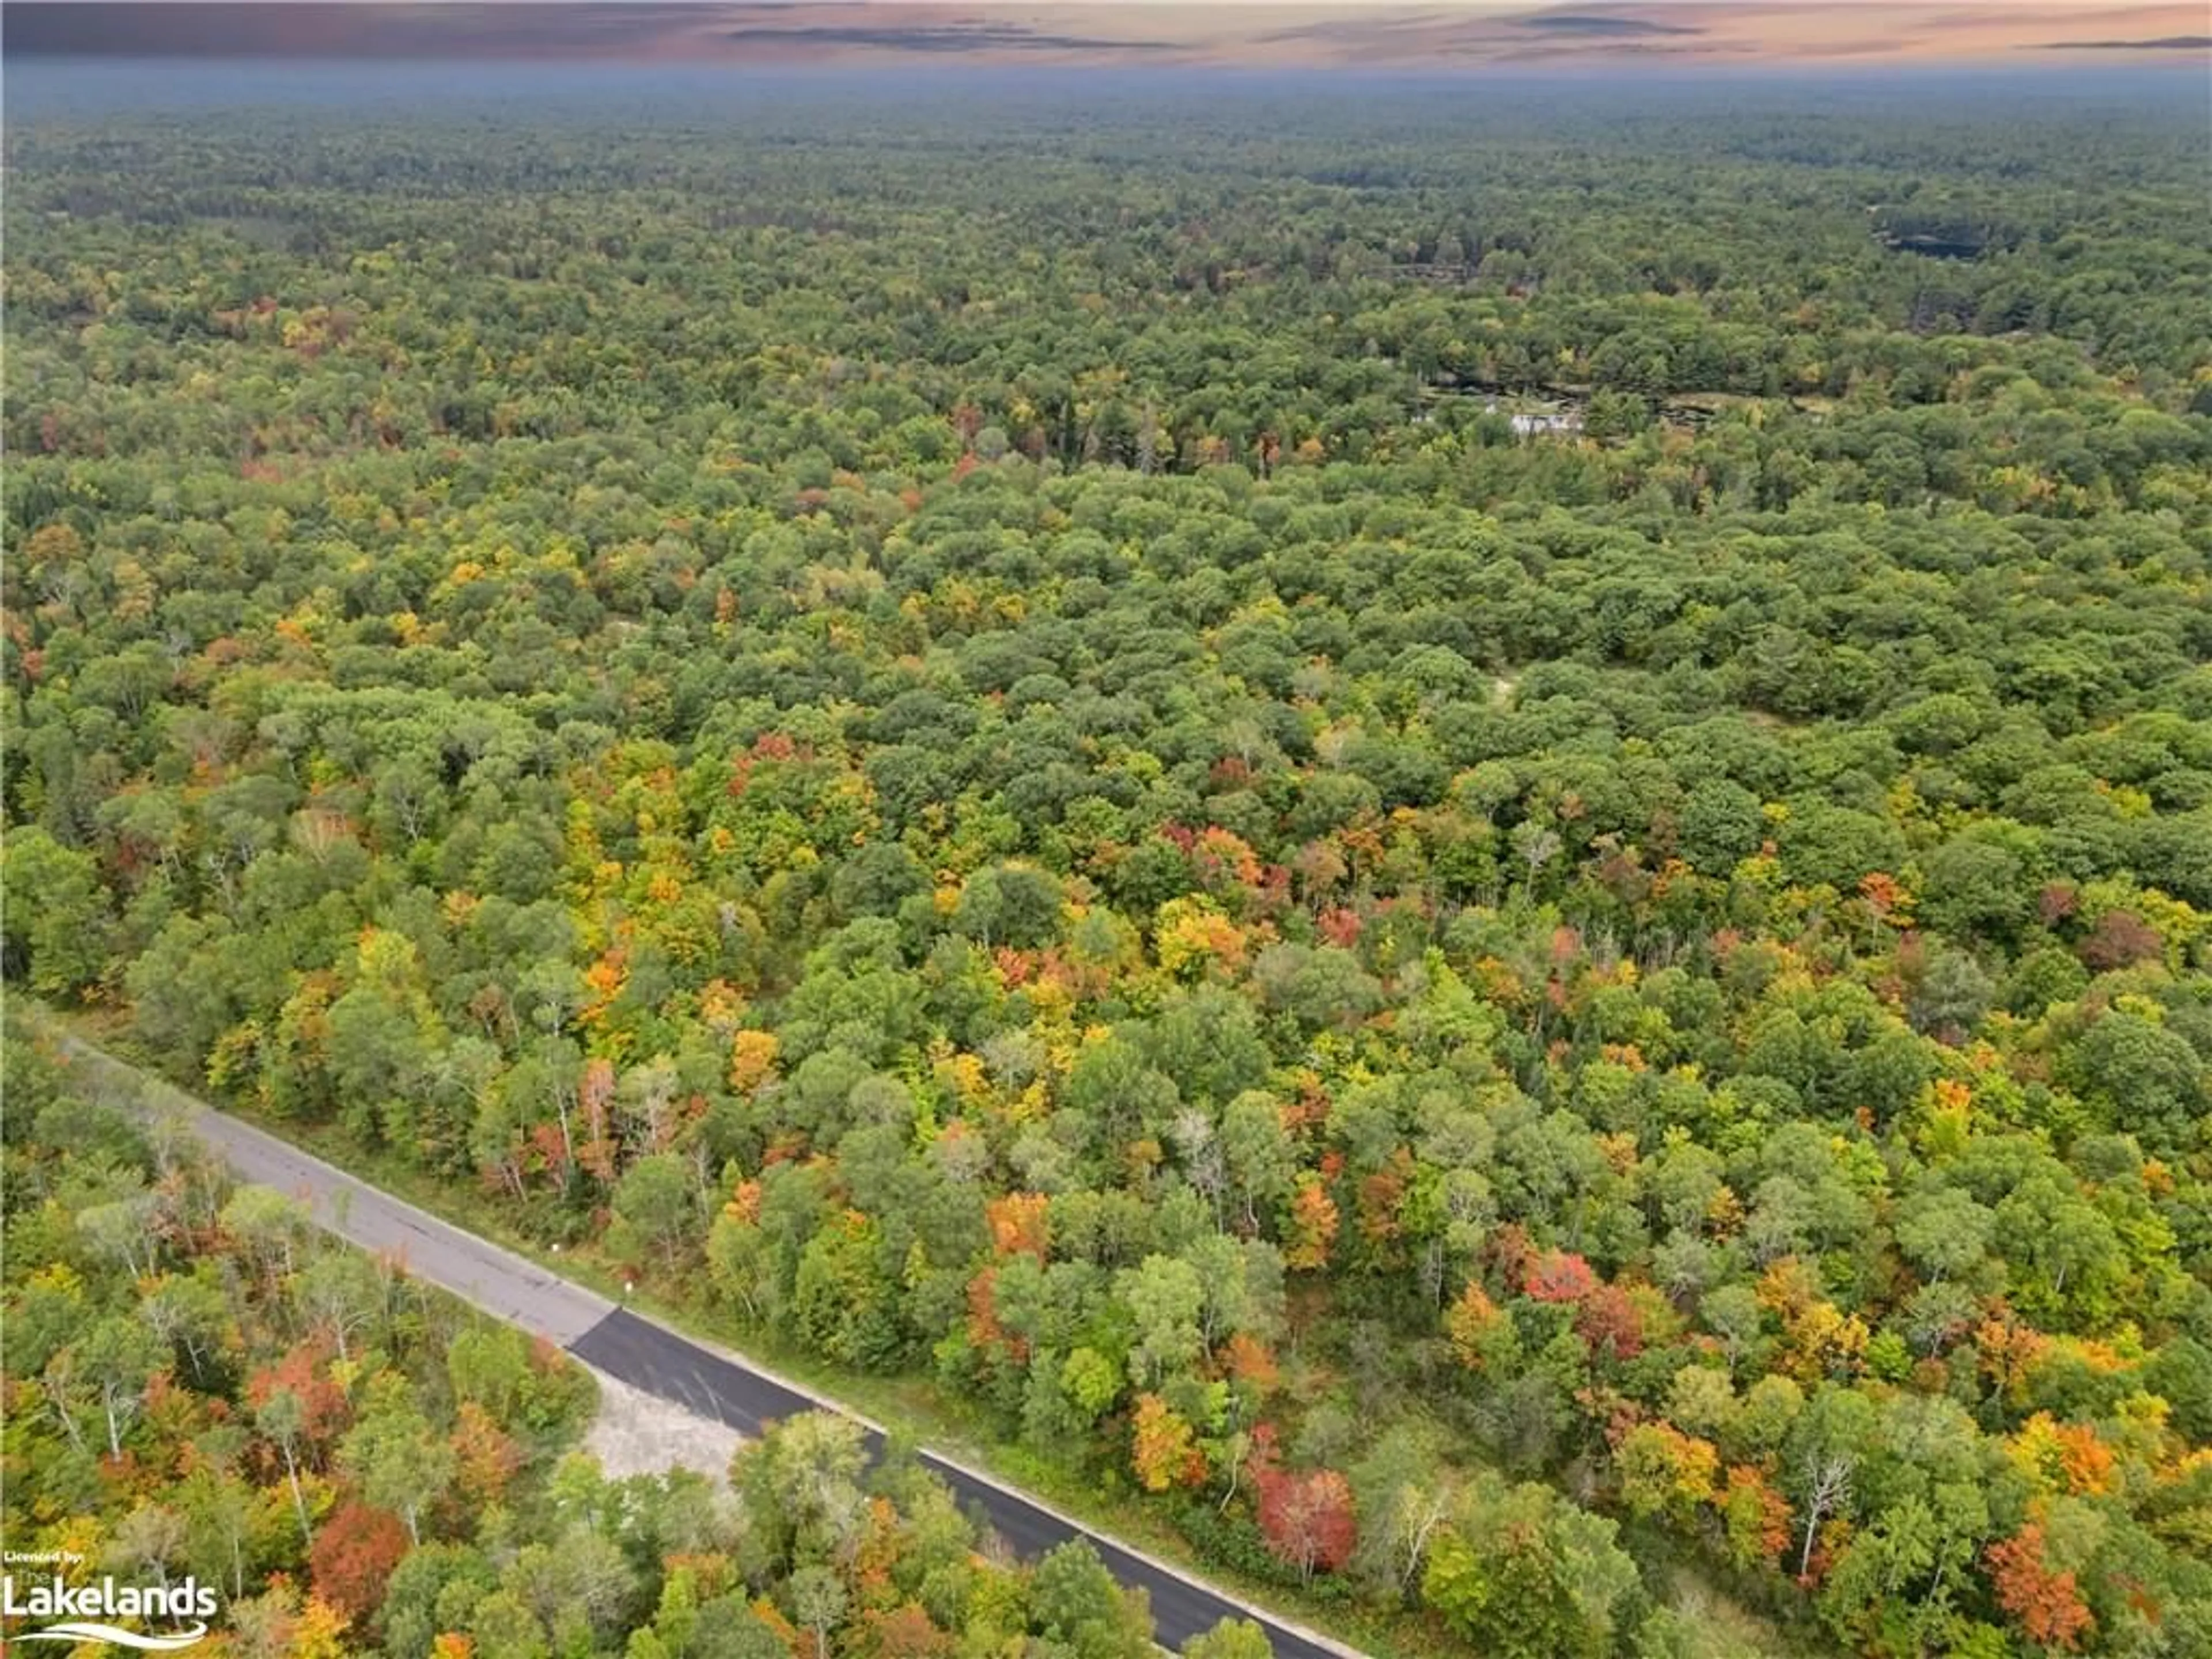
x=637 y=1350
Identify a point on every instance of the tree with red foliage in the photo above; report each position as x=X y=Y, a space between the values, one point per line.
x=1339 y=927
x=1308 y=1519
x=1610 y=1322
x=299 y=1411
x=299 y=1371
x=353 y=1556
x=2120 y=939
x=1560 y=1276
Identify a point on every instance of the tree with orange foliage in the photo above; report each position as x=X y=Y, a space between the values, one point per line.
x=903 y=1632
x=2067 y=1457
x=872 y=1558
x=485 y=1456
x=1470 y=1322
x=1313 y=1226
x=781 y=1628
x=984 y=1331
x=353 y=1556
x=1248 y=1362
x=594 y=1093
x=2009 y=1347
x=2047 y=1605
x=1756 y=1517
x=1381 y=1205
x=1020 y=1221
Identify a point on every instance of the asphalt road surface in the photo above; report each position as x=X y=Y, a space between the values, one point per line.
x=647 y=1355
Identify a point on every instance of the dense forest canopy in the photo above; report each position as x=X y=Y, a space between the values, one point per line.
x=963 y=731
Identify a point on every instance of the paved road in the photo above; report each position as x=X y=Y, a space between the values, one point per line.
x=649 y=1356
x=705 y=1380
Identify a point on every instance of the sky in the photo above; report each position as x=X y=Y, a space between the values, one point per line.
x=1380 y=34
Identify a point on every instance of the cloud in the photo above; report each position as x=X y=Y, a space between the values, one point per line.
x=1381 y=33
x=935 y=37
x=2170 y=43
x=1589 y=24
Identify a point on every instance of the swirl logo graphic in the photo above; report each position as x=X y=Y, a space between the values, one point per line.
x=87 y=1630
